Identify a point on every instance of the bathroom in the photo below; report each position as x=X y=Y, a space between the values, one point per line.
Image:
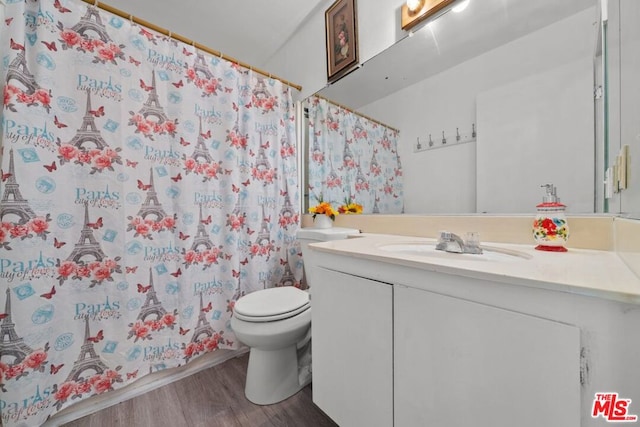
x=489 y=185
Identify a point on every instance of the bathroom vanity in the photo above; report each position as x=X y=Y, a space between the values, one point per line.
x=404 y=335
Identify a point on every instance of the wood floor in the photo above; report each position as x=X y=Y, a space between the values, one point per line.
x=213 y=397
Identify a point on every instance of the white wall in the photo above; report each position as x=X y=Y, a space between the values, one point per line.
x=444 y=180
x=302 y=59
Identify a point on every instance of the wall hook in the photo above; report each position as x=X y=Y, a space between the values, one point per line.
x=447 y=140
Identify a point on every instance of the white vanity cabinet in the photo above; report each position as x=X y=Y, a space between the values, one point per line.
x=459 y=363
x=352 y=349
x=406 y=343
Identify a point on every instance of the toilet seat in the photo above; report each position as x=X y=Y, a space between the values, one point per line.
x=271 y=304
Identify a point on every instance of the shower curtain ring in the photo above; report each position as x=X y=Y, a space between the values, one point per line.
x=95 y=3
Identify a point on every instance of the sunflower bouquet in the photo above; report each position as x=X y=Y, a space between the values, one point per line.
x=350 y=207
x=323 y=208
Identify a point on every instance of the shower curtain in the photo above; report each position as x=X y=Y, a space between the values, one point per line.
x=352 y=158
x=145 y=187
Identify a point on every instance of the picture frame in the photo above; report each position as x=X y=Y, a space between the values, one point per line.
x=342 y=38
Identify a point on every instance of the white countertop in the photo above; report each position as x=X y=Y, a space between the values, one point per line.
x=594 y=273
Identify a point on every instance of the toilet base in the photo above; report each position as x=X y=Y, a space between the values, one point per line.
x=272 y=375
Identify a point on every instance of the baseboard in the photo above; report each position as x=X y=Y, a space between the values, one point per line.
x=143 y=385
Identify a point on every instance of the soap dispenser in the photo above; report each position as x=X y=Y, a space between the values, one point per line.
x=550 y=228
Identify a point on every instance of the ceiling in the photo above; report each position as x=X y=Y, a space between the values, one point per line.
x=249 y=31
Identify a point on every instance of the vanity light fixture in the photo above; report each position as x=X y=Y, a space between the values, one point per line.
x=417 y=11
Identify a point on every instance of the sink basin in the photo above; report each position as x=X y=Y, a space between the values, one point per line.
x=428 y=249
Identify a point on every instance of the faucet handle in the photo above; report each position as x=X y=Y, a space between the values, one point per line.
x=472 y=242
x=472 y=238
x=445 y=236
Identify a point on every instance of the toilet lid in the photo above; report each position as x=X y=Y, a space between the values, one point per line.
x=271 y=304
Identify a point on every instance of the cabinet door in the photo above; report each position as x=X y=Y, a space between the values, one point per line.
x=352 y=348
x=459 y=363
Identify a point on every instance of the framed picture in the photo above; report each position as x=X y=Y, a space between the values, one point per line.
x=342 y=38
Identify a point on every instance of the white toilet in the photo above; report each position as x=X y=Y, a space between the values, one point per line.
x=276 y=324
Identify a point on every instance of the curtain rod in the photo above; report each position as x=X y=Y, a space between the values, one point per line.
x=185 y=40
x=357 y=113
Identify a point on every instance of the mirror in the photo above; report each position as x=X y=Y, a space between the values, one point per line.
x=519 y=73
x=621 y=50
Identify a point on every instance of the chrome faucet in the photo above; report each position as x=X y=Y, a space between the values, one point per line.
x=451 y=242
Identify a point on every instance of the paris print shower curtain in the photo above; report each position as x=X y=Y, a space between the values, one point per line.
x=352 y=158
x=145 y=187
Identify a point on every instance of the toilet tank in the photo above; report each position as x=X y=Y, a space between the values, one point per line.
x=310 y=235
x=314 y=235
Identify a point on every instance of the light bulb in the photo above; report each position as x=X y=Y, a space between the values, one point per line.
x=414 y=5
x=460 y=6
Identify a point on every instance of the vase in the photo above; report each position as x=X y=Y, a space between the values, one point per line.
x=322 y=221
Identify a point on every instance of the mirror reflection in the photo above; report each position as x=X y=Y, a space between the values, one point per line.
x=490 y=104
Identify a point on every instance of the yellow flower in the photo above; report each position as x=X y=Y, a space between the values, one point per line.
x=323 y=208
x=350 y=208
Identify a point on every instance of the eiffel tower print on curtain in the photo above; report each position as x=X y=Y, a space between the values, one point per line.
x=202 y=237
x=202 y=77
x=19 y=72
x=152 y=106
x=260 y=91
x=287 y=279
x=264 y=236
x=91 y=23
x=239 y=292
x=347 y=155
x=239 y=209
x=88 y=131
x=200 y=151
x=87 y=245
x=88 y=361
x=201 y=68
x=262 y=167
x=152 y=316
x=288 y=213
x=151 y=204
x=263 y=244
x=361 y=180
x=12 y=201
x=203 y=327
x=13 y=349
x=152 y=305
x=376 y=209
x=262 y=162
